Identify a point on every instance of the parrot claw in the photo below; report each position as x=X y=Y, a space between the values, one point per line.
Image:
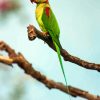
x=46 y=34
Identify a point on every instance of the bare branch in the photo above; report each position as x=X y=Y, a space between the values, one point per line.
x=33 y=33
x=28 y=68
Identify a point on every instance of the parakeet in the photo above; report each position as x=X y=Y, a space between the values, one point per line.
x=49 y=25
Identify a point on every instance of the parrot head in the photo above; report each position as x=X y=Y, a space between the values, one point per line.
x=39 y=1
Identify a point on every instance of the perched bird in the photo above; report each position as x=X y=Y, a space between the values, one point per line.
x=49 y=26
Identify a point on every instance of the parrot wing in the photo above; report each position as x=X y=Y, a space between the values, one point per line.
x=52 y=27
x=51 y=24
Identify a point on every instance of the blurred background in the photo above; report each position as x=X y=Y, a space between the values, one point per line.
x=79 y=21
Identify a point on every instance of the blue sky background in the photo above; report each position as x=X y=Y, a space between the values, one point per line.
x=79 y=22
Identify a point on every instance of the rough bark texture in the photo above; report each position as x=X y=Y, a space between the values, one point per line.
x=19 y=59
x=33 y=33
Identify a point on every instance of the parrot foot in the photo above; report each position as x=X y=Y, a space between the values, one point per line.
x=46 y=34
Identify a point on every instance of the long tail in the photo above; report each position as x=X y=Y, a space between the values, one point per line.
x=61 y=64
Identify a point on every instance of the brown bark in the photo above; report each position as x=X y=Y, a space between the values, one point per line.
x=19 y=59
x=33 y=33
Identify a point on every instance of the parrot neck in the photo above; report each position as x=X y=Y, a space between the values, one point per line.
x=41 y=4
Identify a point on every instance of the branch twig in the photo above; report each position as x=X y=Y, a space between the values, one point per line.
x=28 y=68
x=33 y=33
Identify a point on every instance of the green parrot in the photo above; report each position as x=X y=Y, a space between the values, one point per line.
x=49 y=26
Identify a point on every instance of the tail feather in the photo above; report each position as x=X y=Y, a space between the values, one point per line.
x=60 y=60
x=57 y=47
x=61 y=64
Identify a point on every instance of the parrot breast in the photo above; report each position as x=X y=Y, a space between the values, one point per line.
x=38 y=13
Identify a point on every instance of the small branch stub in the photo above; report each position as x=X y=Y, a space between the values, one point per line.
x=31 y=33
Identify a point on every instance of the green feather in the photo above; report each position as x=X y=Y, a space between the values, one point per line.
x=60 y=60
x=48 y=23
x=52 y=27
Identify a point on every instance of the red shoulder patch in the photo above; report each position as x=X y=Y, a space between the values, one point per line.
x=47 y=11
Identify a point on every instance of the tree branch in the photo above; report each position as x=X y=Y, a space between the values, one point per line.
x=28 y=68
x=33 y=33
